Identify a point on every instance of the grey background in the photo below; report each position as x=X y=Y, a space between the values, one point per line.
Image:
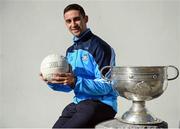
x=142 y=32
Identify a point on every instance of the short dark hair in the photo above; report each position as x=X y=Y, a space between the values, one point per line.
x=75 y=7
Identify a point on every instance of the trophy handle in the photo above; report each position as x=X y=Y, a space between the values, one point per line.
x=177 y=72
x=105 y=77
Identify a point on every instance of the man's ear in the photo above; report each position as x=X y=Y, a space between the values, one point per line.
x=86 y=18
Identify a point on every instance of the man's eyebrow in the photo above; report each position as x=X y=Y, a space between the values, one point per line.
x=73 y=18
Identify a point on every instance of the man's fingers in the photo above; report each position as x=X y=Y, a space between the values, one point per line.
x=68 y=74
x=60 y=74
x=57 y=82
x=63 y=74
x=58 y=78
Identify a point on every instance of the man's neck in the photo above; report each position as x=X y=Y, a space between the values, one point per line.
x=75 y=38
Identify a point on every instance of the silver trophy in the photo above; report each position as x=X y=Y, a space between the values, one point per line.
x=139 y=84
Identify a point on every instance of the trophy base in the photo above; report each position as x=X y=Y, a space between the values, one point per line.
x=139 y=114
x=117 y=124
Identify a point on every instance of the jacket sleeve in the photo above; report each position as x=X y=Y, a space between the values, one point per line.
x=60 y=87
x=93 y=86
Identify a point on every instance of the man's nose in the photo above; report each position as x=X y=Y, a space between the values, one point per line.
x=73 y=23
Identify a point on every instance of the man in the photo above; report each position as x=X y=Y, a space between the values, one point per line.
x=95 y=99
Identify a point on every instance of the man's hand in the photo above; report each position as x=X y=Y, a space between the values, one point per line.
x=61 y=78
x=64 y=78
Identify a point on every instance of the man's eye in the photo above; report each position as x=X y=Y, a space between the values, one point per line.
x=68 y=21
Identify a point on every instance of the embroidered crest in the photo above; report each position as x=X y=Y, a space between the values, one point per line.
x=85 y=57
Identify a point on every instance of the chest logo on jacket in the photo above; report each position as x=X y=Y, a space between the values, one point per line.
x=85 y=57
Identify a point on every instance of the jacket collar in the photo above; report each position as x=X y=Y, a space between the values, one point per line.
x=86 y=32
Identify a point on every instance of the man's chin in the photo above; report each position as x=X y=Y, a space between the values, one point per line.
x=76 y=34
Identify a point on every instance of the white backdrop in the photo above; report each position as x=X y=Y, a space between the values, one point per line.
x=142 y=32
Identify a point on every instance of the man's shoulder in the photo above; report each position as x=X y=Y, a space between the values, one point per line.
x=100 y=43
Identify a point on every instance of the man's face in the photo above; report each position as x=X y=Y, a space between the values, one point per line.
x=75 y=22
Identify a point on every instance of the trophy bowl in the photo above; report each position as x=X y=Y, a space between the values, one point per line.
x=139 y=84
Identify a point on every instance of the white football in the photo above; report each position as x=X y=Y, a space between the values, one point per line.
x=52 y=64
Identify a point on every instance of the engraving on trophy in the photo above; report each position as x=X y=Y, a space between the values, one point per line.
x=142 y=88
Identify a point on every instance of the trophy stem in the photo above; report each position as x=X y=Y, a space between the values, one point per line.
x=138 y=114
x=138 y=106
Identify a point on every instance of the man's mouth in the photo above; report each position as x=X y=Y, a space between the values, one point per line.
x=75 y=30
